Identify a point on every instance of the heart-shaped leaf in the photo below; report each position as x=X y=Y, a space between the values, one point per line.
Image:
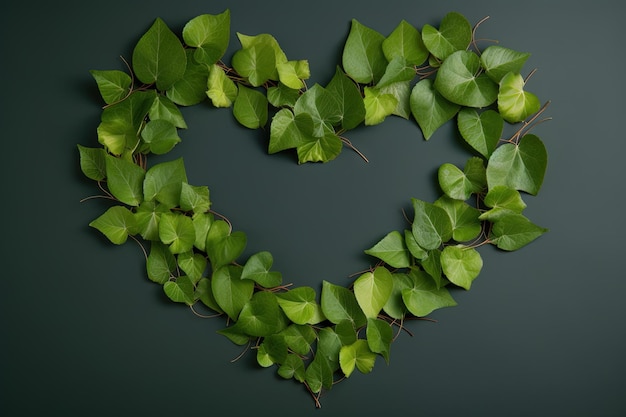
x=379 y=336
x=299 y=338
x=250 y=108
x=498 y=61
x=210 y=34
x=349 y=100
x=454 y=34
x=363 y=57
x=431 y=225
x=164 y=181
x=465 y=218
x=481 y=131
x=230 y=291
x=116 y=224
x=292 y=73
x=177 y=231
x=392 y=250
x=191 y=88
x=502 y=200
x=160 y=135
x=320 y=149
x=289 y=130
x=257 y=63
x=221 y=90
x=405 y=42
x=514 y=231
x=519 y=166
x=378 y=106
x=424 y=296
x=193 y=264
x=430 y=108
x=181 y=290
x=461 y=264
x=258 y=269
x=372 y=290
x=113 y=85
x=321 y=106
x=92 y=162
x=224 y=246
x=515 y=104
x=356 y=355
x=161 y=263
x=194 y=198
x=124 y=180
x=460 y=185
x=261 y=316
x=339 y=303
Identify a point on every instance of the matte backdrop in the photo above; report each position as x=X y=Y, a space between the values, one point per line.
x=84 y=332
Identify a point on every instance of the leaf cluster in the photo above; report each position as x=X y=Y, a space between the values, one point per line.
x=433 y=76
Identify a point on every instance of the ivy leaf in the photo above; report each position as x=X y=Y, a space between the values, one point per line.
x=482 y=132
x=163 y=182
x=177 y=231
x=235 y=335
x=299 y=305
x=148 y=215
x=224 y=246
x=282 y=96
x=257 y=268
x=379 y=337
x=250 y=108
x=392 y=250
x=499 y=61
x=191 y=88
x=165 y=109
x=502 y=200
x=349 y=99
x=299 y=338
x=372 y=290
x=265 y=40
x=320 y=149
x=363 y=58
x=425 y=296
x=461 y=265
x=519 y=167
x=398 y=70
x=414 y=248
x=465 y=218
x=405 y=42
x=430 y=109
x=378 y=106
x=116 y=224
x=356 y=355
x=460 y=185
x=328 y=346
x=160 y=135
x=321 y=106
x=431 y=225
x=515 y=104
x=261 y=316
x=319 y=374
x=180 y=291
x=210 y=34
x=194 y=198
x=339 y=303
x=204 y=293
x=292 y=367
x=289 y=131
x=159 y=57
x=124 y=180
x=221 y=90
x=202 y=223
x=161 y=263
x=256 y=62
x=230 y=291
x=401 y=91
x=395 y=305
x=113 y=85
x=92 y=162
x=192 y=264
x=272 y=350
x=514 y=231
x=291 y=73
x=457 y=81
x=432 y=266
x=454 y=34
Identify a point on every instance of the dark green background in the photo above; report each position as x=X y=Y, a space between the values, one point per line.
x=84 y=333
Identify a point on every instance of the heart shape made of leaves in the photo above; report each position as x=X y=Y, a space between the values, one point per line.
x=432 y=76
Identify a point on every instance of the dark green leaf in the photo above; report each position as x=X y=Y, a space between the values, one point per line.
x=261 y=316
x=430 y=109
x=339 y=303
x=379 y=337
x=349 y=99
x=92 y=162
x=180 y=291
x=250 y=108
x=482 y=132
x=431 y=225
x=224 y=246
x=405 y=42
x=191 y=88
x=258 y=269
x=465 y=218
x=513 y=231
x=161 y=263
x=164 y=181
x=230 y=291
x=124 y=180
x=454 y=34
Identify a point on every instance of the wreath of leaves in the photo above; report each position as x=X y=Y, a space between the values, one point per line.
x=432 y=76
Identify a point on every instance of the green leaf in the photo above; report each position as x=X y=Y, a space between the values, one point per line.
x=124 y=180
x=379 y=337
x=116 y=224
x=320 y=149
x=224 y=246
x=192 y=264
x=356 y=355
x=460 y=185
x=425 y=296
x=113 y=85
x=299 y=305
x=191 y=88
x=430 y=109
x=257 y=63
x=292 y=367
x=261 y=316
x=397 y=71
x=482 y=132
x=160 y=135
x=514 y=231
x=299 y=338
x=346 y=332
x=177 y=231
x=402 y=93
x=210 y=34
x=164 y=181
x=460 y=80
x=165 y=109
x=250 y=108
x=414 y=248
x=282 y=96
x=159 y=57
x=328 y=346
x=432 y=266
x=204 y=293
x=235 y=335
x=230 y=291
x=395 y=305
x=499 y=61
x=405 y=42
x=92 y=162
x=349 y=99
x=431 y=225
x=321 y=106
x=289 y=131
x=502 y=201
x=372 y=290
x=221 y=90
x=148 y=215
x=272 y=350
x=194 y=198
x=465 y=218
x=339 y=303
x=461 y=265
x=319 y=374
x=291 y=73
x=378 y=106
x=202 y=223
x=454 y=34
x=515 y=104
x=161 y=263
x=392 y=250
x=180 y=291
x=258 y=269
x=264 y=40
x=363 y=58
x=519 y=167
